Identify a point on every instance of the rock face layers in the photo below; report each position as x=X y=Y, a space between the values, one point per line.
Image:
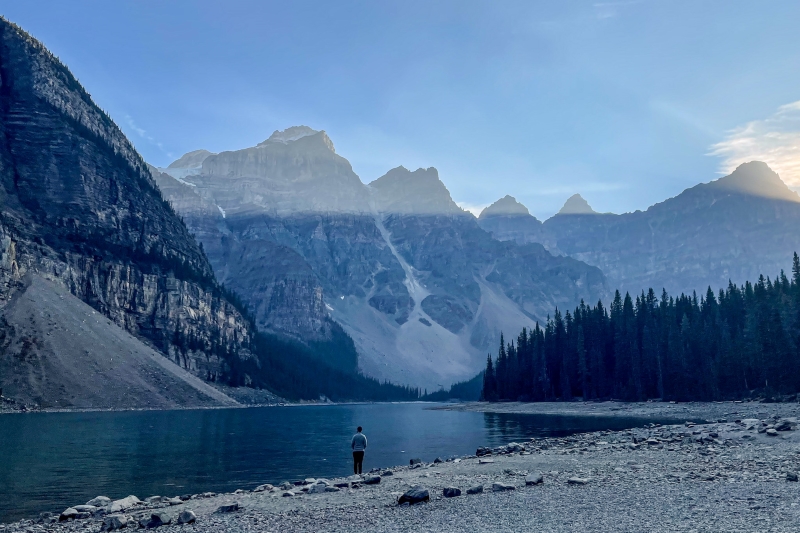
x=509 y=220
x=734 y=228
x=80 y=207
x=59 y=352
x=420 y=288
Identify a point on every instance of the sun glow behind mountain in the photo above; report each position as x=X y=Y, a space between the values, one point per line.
x=774 y=140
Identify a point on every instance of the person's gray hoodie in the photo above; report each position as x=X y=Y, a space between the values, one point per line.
x=359 y=443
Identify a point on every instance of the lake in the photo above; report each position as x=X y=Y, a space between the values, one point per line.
x=53 y=460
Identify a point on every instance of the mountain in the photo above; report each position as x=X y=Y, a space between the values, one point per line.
x=319 y=257
x=80 y=208
x=60 y=352
x=733 y=228
x=509 y=220
x=83 y=221
x=576 y=205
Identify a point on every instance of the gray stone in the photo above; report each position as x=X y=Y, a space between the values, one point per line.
x=372 y=480
x=262 y=488
x=414 y=495
x=787 y=424
x=485 y=461
x=578 y=480
x=477 y=489
x=172 y=501
x=451 y=492
x=317 y=488
x=437 y=460
x=152 y=499
x=113 y=522
x=86 y=509
x=99 y=501
x=342 y=485
x=771 y=432
x=70 y=513
x=187 y=517
x=500 y=487
x=332 y=489
x=228 y=507
x=287 y=494
x=791 y=476
x=534 y=479
x=415 y=461
x=158 y=520
x=123 y=504
x=387 y=473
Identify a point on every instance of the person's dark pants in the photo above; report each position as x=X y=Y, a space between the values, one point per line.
x=358 y=460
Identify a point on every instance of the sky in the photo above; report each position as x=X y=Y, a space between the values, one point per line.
x=625 y=102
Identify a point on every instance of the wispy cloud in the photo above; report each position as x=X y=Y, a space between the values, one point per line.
x=774 y=140
x=475 y=209
x=142 y=133
x=606 y=10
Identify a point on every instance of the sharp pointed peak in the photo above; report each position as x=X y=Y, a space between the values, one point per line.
x=756 y=178
x=576 y=205
x=505 y=206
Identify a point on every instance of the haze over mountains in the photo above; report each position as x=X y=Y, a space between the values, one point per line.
x=276 y=266
x=734 y=228
x=422 y=290
x=417 y=282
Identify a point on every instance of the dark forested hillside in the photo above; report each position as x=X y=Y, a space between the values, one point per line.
x=741 y=340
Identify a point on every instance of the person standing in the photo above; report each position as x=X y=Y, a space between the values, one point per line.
x=358 y=444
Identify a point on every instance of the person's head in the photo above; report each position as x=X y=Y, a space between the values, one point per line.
x=359 y=429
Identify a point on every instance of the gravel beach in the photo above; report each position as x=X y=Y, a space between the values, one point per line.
x=737 y=473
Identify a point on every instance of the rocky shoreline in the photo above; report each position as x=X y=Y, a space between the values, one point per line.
x=733 y=474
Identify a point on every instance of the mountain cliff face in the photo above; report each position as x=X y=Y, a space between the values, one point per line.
x=509 y=220
x=734 y=228
x=422 y=290
x=80 y=207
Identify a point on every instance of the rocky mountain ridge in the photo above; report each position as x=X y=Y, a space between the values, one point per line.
x=411 y=277
x=80 y=208
x=733 y=228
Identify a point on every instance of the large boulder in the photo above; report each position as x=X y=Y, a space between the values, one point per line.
x=451 y=492
x=112 y=522
x=158 y=520
x=534 y=479
x=414 y=495
x=477 y=489
x=229 y=507
x=187 y=517
x=123 y=504
x=99 y=501
x=69 y=513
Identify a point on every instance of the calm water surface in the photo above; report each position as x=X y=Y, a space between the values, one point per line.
x=49 y=461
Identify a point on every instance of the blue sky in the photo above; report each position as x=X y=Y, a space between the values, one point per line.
x=626 y=102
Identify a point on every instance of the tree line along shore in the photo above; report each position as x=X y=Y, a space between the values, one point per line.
x=742 y=341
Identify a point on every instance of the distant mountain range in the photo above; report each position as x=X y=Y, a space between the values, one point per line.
x=734 y=228
x=276 y=266
x=420 y=287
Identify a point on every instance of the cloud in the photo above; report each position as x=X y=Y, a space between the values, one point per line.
x=475 y=209
x=141 y=132
x=607 y=10
x=774 y=140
